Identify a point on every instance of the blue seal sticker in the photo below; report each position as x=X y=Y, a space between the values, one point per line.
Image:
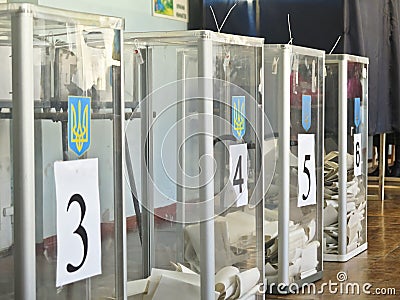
x=238 y=116
x=357 y=112
x=79 y=124
x=306 y=112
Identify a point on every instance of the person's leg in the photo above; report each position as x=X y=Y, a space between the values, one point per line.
x=395 y=170
x=376 y=143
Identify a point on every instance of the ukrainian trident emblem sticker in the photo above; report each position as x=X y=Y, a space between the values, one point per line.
x=306 y=112
x=238 y=116
x=78 y=124
x=357 y=112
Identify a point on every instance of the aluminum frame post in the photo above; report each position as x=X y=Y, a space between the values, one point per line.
x=342 y=209
x=147 y=162
x=284 y=170
x=23 y=156
x=260 y=212
x=206 y=149
x=119 y=158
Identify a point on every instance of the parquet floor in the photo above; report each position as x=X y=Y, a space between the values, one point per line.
x=379 y=266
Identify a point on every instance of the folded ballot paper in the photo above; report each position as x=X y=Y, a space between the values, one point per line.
x=355 y=204
x=231 y=233
x=302 y=252
x=183 y=283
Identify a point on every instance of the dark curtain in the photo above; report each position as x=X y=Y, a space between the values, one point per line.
x=395 y=65
x=367 y=31
x=241 y=21
x=314 y=23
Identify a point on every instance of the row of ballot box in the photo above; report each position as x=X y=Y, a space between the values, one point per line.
x=304 y=141
x=164 y=164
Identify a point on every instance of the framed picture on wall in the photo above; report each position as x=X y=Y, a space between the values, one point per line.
x=172 y=9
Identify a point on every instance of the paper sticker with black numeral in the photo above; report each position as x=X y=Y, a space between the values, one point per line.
x=78 y=220
x=238 y=173
x=307 y=191
x=357 y=155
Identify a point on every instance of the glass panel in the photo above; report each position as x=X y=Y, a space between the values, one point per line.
x=299 y=72
x=72 y=57
x=273 y=94
x=331 y=175
x=356 y=128
x=171 y=65
x=356 y=184
x=306 y=81
x=331 y=106
x=133 y=181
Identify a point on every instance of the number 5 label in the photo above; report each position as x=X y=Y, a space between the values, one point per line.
x=78 y=220
x=357 y=154
x=306 y=170
x=238 y=173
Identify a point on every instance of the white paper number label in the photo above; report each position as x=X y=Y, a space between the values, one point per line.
x=306 y=170
x=238 y=173
x=357 y=154
x=78 y=220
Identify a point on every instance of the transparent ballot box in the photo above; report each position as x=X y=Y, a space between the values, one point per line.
x=61 y=154
x=294 y=101
x=346 y=140
x=196 y=154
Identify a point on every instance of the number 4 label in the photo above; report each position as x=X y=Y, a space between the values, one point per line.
x=306 y=170
x=78 y=220
x=357 y=154
x=238 y=173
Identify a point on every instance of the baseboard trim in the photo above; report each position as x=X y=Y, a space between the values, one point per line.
x=49 y=244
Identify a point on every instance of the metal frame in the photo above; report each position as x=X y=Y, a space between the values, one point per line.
x=206 y=148
x=118 y=160
x=147 y=163
x=342 y=61
x=283 y=167
x=191 y=35
x=203 y=41
x=23 y=155
x=342 y=213
x=260 y=211
x=181 y=132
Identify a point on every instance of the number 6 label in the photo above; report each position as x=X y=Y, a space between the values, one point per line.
x=306 y=170
x=78 y=220
x=357 y=154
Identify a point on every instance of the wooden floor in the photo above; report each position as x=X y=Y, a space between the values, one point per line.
x=379 y=265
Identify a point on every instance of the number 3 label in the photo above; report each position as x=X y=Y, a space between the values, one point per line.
x=306 y=170
x=357 y=154
x=78 y=220
x=238 y=173
x=81 y=231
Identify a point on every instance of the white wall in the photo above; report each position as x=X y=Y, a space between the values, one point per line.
x=137 y=13
x=5 y=185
